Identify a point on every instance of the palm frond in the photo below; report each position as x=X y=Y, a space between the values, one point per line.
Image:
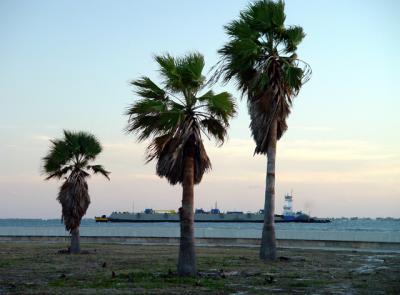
x=148 y=106
x=182 y=73
x=190 y=68
x=169 y=72
x=221 y=105
x=239 y=29
x=215 y=128
x=99 y=169
x=57 y=157
x=157 y=146
x=293 y=77
x=60 y=172
x=146 y=88
x=172 y=154
x=82 y=144
x=89 y=145
x=150 y=117
x=73 y=152
x=278 y=12
x=292 y=37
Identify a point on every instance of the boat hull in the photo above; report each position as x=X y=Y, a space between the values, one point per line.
x=102 y=219
x=235 y=217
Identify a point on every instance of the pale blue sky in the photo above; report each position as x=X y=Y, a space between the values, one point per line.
x=67 y=64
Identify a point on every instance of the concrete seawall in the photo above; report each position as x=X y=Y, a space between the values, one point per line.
x=158 y=232
x=231 y=242
x=333 y=240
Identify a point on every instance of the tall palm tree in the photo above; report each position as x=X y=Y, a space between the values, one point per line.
x=70 y=158
x=173 y=116
x=261 y=57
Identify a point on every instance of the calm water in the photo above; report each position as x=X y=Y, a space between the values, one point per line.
x=388 y=225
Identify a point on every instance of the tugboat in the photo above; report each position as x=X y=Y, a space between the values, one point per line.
x=102 y=218
x=291 y=216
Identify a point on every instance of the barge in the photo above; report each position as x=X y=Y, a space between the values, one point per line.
x=214 y=215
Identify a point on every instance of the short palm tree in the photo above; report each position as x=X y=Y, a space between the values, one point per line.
x=261 y=57
x=70 y=158
x=173 y=117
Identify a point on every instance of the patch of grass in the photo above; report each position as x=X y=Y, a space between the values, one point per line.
x=291 y=274
x=309 y=283
x=36 y=269
x=145 y=280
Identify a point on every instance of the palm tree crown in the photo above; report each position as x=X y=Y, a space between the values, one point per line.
x=73 y=153
x=70 y=157
x=261 y=57
x=175 y=115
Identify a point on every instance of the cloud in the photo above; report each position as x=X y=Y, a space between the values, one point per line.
x=40 y=137
x=124 y=146
x=21 y=178
x=251 y=178
x=334 y=150
x=298 y=161
x=322 y=150
x=307 y=161
x=143 y=176
x=299 y=150
x=314 y=128
x=231 y=148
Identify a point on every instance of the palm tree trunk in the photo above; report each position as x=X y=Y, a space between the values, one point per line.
x=187 y=255
x=268 y=241
x=75 y=241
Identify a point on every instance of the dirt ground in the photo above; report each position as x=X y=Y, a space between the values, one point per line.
x=38 y=268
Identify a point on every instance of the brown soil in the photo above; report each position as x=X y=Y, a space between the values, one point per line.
x=38 y=268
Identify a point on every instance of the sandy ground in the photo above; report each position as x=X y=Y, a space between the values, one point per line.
x=38 y=268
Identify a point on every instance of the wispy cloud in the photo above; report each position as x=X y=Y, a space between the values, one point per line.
x=248 y=177
x=384 y=176
x=21 y=178
x=299 y=161
x=232 y=148
x=41 y=137
x=313 y=128
x=308 y=161
x=124 y=146
x=143 y=176
x=334 y=150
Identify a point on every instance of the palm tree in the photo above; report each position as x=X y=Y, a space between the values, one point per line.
x=173 y=117
x=261 y=57
x=70 y=158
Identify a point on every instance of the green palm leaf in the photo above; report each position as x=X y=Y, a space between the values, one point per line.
x=73 y=152
x=214 y=127
x=221 y=106
x=99 y=169
x=147 y=88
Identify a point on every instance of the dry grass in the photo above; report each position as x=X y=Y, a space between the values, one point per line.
x=37 y=268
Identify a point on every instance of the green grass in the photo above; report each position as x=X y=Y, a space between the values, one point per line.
x=37 y=269
x=146 y=280
x=309 y=283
